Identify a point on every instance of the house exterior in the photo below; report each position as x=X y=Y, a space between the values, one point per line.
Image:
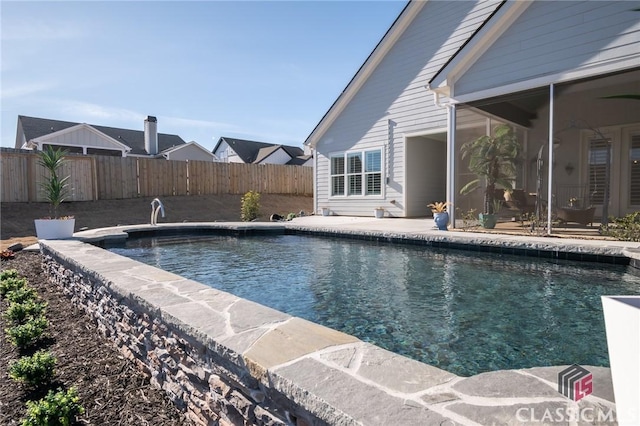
x=82 y=138
x=449 y=72
x=233 y=150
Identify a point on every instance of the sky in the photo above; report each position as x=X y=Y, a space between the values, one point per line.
x=258 y=70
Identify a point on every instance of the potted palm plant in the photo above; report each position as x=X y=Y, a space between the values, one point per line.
x=493 y=160
x=55 y=190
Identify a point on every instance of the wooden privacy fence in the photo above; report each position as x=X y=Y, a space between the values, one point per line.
x=110 y=178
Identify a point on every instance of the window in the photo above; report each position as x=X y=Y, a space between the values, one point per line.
x=337 y=175
x=356 y=173
x=598 y=168
x=634 y=171
x=373 y=172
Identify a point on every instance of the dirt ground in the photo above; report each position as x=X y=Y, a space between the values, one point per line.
x=16 y=219
x=111 y=389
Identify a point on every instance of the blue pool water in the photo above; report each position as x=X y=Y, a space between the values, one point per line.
x=464 y=312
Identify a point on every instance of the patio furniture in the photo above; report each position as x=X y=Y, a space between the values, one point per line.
x=573 y=204
x=521 y=201
x=577 y=215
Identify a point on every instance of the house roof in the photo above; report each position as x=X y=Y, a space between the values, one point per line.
x=384 y=45
x=253 y=151
x=299 y=160
x=192 y=143
x=399 y=26
x=293 y=151
x=494 y=25
x=263 y=153
x=34 y=127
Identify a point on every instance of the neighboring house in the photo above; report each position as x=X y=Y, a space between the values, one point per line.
x=448 y=72
x=82 y=138
x=232 y=150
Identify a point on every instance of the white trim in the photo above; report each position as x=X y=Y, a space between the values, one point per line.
x=167 y=152
x=144 y=155
x=178 y=147
x=480 y=43
x=314 y=157
x=550 y=164
x=363 y=173
x=451 y=162
x=43 y=139
x=405 y=137
x=544 y=81
x=279 y=148
x=434 y=131
x=362 y=75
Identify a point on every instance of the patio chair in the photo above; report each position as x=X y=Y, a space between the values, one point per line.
x=573 y=204
x=520 y=201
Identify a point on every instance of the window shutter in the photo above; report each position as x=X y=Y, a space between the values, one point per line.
x=598 y=169
x=634 y=171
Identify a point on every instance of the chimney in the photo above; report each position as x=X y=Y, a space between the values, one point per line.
x=151 y=135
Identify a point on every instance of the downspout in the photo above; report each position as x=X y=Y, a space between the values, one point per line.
x=550 y=166
x=451 y=127
x=314 y=155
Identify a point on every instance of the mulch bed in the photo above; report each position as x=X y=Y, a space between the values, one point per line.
x=112 y=390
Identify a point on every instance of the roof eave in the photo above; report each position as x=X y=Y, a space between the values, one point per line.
x=482 y=39
x=398 y=27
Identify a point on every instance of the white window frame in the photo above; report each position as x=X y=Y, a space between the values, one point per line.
x=363 y=174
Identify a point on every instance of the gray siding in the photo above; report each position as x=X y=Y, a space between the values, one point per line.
x=551 y=37
x=190 y=152
x=82 y=137
x=226 y=154
x=278 y=157
x=396 y=91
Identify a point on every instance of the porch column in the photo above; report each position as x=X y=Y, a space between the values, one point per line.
x=451 y=162
x=550 y=165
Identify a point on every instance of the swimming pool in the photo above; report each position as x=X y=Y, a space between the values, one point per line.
x=464 y=312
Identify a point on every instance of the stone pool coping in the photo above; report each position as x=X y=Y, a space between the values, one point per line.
x=413 y=231
x=336 y=377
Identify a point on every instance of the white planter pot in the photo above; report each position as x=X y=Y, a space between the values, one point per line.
x=622 y=323
x=326 y=211
x=379 y=213
x=54 y=229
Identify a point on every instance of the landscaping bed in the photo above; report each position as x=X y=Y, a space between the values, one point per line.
x=111 y=389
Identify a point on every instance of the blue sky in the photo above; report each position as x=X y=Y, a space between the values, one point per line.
x=263 y=70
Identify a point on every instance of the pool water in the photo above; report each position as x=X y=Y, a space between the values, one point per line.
x=464 y=312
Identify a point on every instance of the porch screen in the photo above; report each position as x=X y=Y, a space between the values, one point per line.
x=598 y=169
x=634 y=171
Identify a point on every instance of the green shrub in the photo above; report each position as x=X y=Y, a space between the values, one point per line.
x=22 y=294
x=250 y=206
x=19 y=313
x=10 y=284
x=626 y=228
x=8 y=273
x=33 y=370
x=27 y=334
x=57 y=408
